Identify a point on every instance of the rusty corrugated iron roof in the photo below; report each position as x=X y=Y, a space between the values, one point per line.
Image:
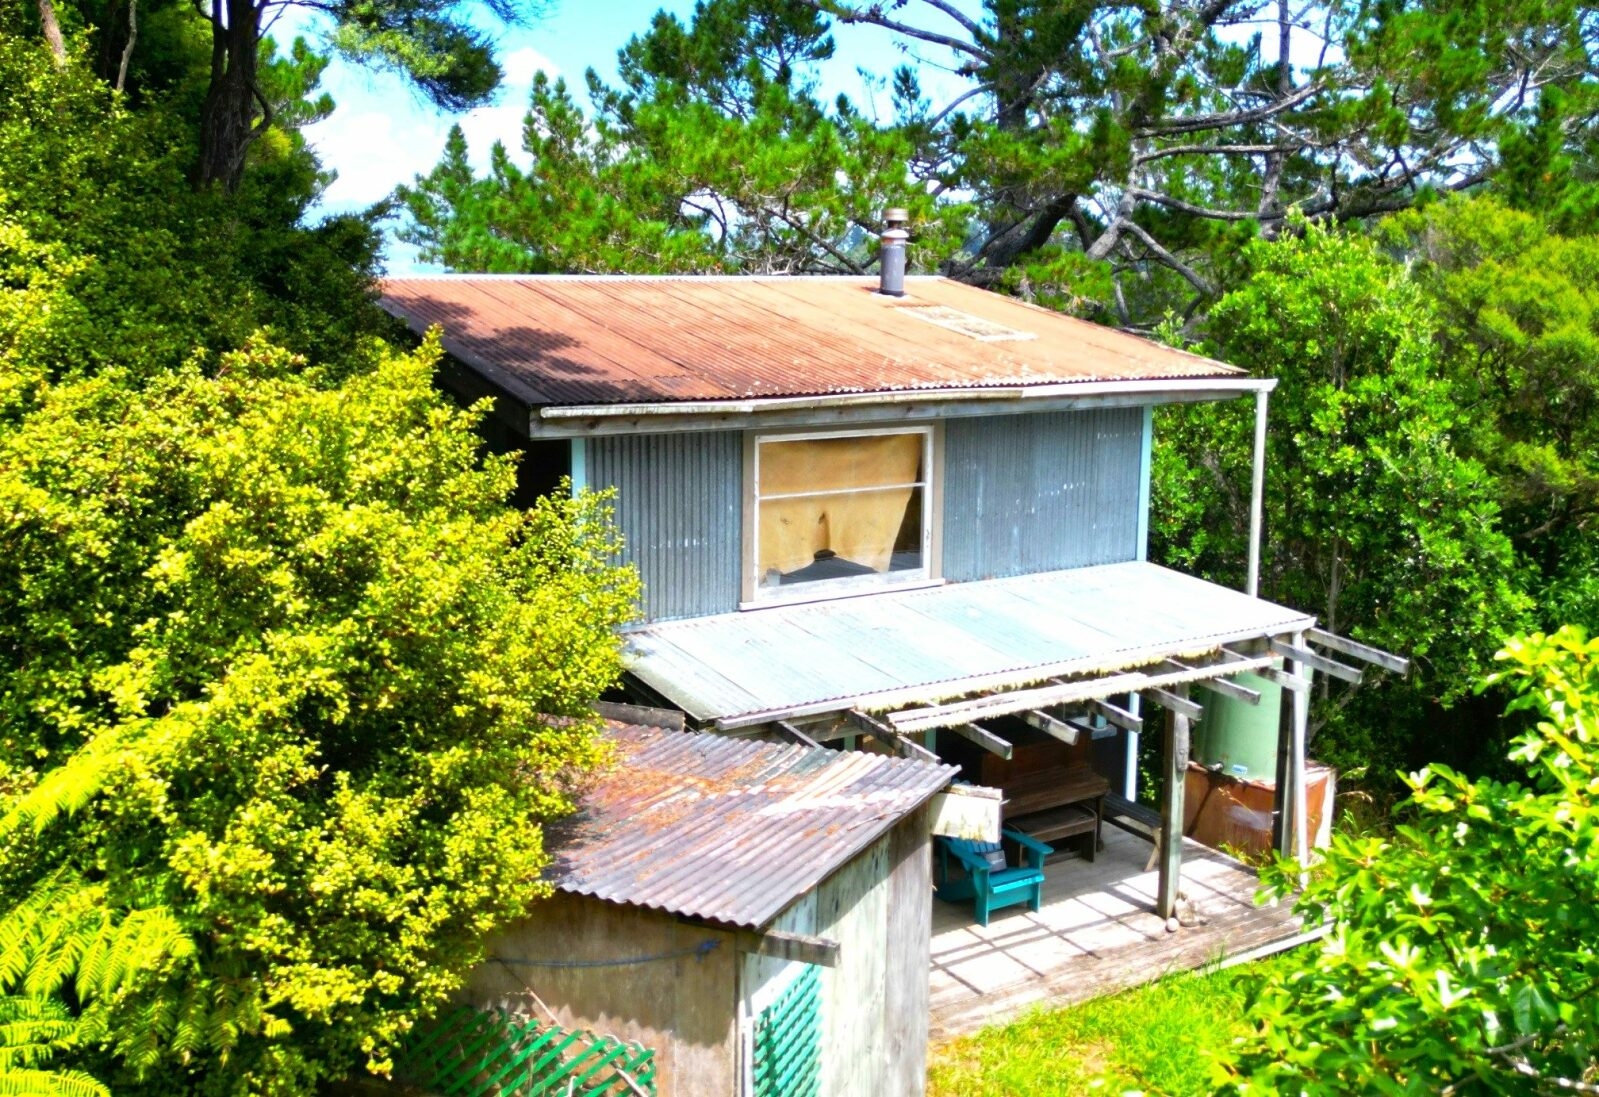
x=730 y=830
x=613 y=339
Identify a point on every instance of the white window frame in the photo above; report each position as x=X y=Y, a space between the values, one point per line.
x=754 y=596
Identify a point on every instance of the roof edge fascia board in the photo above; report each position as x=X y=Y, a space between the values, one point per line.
x=570 y=421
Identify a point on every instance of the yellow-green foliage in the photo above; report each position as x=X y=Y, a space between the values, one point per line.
x=1464 y=950
x=289 y=692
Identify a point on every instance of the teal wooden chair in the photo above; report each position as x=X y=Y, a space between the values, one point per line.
x=986 y=878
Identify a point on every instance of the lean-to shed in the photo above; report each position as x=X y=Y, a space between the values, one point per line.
x=741 y=909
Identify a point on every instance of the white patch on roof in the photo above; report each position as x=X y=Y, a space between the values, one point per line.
x=984 y=331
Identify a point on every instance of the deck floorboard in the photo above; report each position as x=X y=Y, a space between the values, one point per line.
x=1097 y=934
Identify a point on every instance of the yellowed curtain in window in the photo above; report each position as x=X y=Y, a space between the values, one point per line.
x=859 y=527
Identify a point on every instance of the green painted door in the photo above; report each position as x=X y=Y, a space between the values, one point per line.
x=788 y=1040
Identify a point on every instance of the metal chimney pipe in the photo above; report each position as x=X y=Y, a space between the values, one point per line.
x=891 y=257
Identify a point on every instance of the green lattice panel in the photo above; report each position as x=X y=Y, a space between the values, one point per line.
x=788 y=1041
x=472 y=1053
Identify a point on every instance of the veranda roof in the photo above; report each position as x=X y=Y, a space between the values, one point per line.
x=892 y=650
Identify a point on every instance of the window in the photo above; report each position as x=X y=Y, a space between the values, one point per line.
x=839 y=513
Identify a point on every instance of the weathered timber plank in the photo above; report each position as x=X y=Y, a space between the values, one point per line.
x=1343 y=645
x=1175 y=766
x=851 y=908
x=1232 y=689
x=908 y=953
x=1117 y=715
x=778 y=944
x=1058 y=729
x=983 y=738
x=1303 y=655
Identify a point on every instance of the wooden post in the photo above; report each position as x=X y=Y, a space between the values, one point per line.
x=1290 y=824
x=1301 y=723
x=1171 y=813
x=1282 y=805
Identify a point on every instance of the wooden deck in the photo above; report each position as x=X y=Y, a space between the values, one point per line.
x=1097 y=934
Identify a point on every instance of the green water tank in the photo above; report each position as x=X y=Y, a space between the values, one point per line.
x=1238 y=738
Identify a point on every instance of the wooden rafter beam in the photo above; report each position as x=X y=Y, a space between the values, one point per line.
x=1006 y=704
x=643 y=715
x=1118 y=716
x=1059 y=729
x=985 y=739
x=795 y=734
x=1231 y=689
x=1306 y=657
x=1171 y=702
x=1284 y=679
x=890 y=737
x=1355 y=650
x=1063 y=693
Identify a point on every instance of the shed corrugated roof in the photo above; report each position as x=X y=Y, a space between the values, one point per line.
x=725 y=829
x=562 y=340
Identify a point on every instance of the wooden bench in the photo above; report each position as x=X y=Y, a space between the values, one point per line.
x=1058 y=802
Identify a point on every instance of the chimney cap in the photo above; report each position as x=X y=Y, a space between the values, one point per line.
x=891 y=255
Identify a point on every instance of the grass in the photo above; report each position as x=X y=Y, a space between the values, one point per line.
x=1157 y=1039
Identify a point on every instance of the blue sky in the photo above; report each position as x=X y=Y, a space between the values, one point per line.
x=383 y=133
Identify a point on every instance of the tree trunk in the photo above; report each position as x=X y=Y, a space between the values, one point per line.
x=228 y=124
x=52 y=32
x=1270 y=209
x=127 y=50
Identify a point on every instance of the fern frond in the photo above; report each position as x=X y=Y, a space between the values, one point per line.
x=189 y=1021
x=31 y=1030
x=222 y=1023
x=62 y=932
x=29 y=1043
x=142 y=1047
x=56 y=906
x=67 y=789
x=143 y=941
x=50 y=1083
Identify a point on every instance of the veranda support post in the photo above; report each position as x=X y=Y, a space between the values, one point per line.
x=1171 y=813
x=1290 y=823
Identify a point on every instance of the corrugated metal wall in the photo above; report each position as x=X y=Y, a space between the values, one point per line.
x=679 y=508
x=1040 y=492
x=1022 y=494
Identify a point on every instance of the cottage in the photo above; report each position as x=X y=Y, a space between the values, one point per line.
x=905 y=514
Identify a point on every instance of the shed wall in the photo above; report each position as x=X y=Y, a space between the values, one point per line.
x=678 y=505
x=684 y=1007
x=908 y=949
x=874 y=1003
x=878 y=908
x=852 y=909
x=1043 y=492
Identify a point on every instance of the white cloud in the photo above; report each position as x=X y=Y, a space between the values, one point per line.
x=502 y=120
x=383 y=134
